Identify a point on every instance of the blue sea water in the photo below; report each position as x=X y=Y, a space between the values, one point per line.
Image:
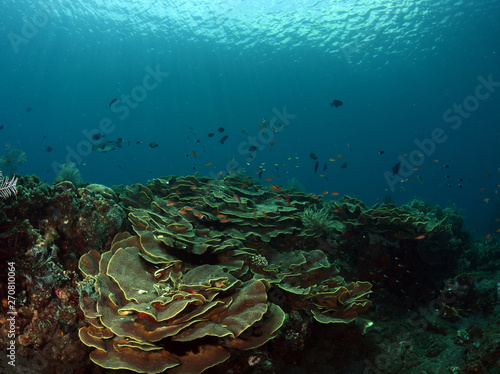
x=417 y=78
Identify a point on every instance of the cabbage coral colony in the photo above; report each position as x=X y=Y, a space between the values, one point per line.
x=152 y=306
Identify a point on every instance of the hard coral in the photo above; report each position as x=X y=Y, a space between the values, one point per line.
x=154 y=312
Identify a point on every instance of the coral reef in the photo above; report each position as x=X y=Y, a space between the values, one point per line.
x=191 y=274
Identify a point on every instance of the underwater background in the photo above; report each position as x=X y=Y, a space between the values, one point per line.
x=252 y=187
x=399 y=67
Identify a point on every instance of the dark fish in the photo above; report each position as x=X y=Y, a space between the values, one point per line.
x=29 y=109
x=220 y=129
x=313 y=156
x=421 y=179
x=325 y=166
x=344 y=165
x=97 y=136
x=316 y=167
x=113 y=101
x=48 y=149
x=459 y=186
x=224 y=138
x=446 y=166
x=253 y=148
x=381 y=152
x=446 y=176
x=460 y=179
x=396 y=168
x=211 y=134
x=107 y=146
x=336 y=103
x=44 y=136
x=138 y=142
x=1 y=127
x=153 y=145
x=198 y=140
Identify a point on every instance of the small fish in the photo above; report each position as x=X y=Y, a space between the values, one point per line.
x=224 y=220
x=421 y=179
x=198 y=140
x=153 y=145
x=1 y=128
x=325 y=166
x=238 y=199
x=48 y=149
x=275 y=188
x=332 y=159
x=446 y=166
x=244 y=132
x=396 y=168
x=487 y=236
x=113 y=101
x=193 y=188
x=324 y=192
x=170 y=203
x=211 y=134
x=264 y=214
x=313 y=156
x=224 y=138
x=97 y=136
x=316 y=167
x=220 y=129
x=488 y=175
x=29 y=109
x=336 y=103
x=107 y=146
x=208 y=164
x=381 y=152
x=193 y=153
x=344 y=165
x=182 y=211
x=269 y=179
x=253 y=148
x=420 y=237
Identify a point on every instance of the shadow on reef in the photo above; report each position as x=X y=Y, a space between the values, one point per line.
x=191 y=274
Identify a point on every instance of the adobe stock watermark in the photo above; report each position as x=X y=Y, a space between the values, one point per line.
x=123 y=106
x=454 y=116
x=31 y=26
x=265 y=137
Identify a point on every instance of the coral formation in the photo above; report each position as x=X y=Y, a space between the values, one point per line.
x=69 y=173
x=12 y=159
x=227 y=275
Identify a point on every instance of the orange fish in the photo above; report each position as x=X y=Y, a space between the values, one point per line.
x=316 y=197
x=324 y=192
x=487 y=236
x=406 y=154
x=436 y=160
x=486 y=199
x=193 y=188
x=334 y=194
x=220 y=215
x=498 y=230
x=264 y=214
x=332 y=159
x=194 y=153
x=482 y=189
x=208 y=164
x=336 y=210
x=199 y=215
x=170 y=203
x=224 y=220
x=415 y=169
x=275 y=188
x=278 y=197
x=188 y=208
x=340 y=156
x=182 y=211
x=269 y=179
x=420 y=237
